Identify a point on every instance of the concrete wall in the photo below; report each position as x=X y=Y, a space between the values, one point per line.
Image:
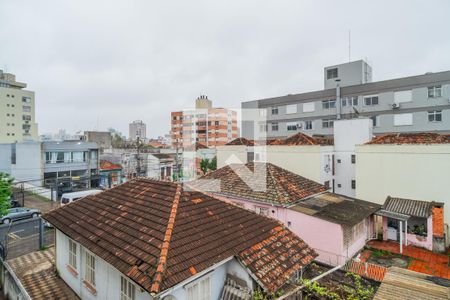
x=28 y=164
x=352 y=73
x=420 y=172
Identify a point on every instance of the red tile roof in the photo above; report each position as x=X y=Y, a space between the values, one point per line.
x=411 y=138
x=282 y=187
x=299 y=139
x=159 y=235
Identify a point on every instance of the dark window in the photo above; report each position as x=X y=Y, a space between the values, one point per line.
x=274 y=126
x=435 y=91
x=327 y=104
x=327 y=123
x=275 y=110
x=308 y=125
x=250 y=157
x=371 y=100
x=374 y=120
x=216 y=123
x=332 y=73
x=338 y=161
x=339 y=185
x=435 y=116
x=13 y=154
x=327 y=184
x=353 y=158
x=353 y=184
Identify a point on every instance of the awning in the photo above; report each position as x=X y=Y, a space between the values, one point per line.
x=392 y=215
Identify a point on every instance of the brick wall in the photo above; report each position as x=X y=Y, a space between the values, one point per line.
x=438 y=221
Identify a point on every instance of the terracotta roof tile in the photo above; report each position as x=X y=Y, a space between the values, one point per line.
x=411 y=138
x=140 y=229
x=299 y=139
x=282 y=187
x=107 y=165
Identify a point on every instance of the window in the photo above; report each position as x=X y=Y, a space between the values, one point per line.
x=374 y=120
x=250 y=157
x=435 y=116
x=402 y=96
x=13 y=154
x=309 y=125
x=370 y=100
x=127 y=289
x=349 y=101
x=308 y=107
x=72 y=254
x=435 y=91
x=327 y=104
x=263 y=127
x=200 y=290
x=327 y=184
x=26 y=108
x=262 y=210
x=353 y=184
x=403 y=119
x=353 y=158
x=291 y=109
x=89 y=275
x=291 y=126
x=275 y=110
x=332 y=73
x=327 y=123
x=274 y=126
x=262 y=112
x=26 y=99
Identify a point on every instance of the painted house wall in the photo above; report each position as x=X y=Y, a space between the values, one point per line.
x=106 y=276
x=325 y=237
x=419 y=172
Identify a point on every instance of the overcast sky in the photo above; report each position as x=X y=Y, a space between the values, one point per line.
x=100 y=64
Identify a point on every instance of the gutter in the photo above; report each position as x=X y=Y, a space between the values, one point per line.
x=17 y=281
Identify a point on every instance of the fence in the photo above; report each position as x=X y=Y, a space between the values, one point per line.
x=365 y=269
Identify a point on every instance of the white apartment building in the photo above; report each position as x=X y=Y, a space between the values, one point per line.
x=17 y=111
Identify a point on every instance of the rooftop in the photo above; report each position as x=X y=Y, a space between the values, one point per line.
x=107 y=165
x=405 y=284
x=276 y=185
x=409 y=207
x=36 y=273
x=411 y=138
x=299 y=139
x=336 y=208
x=159 y=235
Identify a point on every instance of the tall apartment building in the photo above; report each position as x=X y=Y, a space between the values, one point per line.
x=409 y=104
x=137 y=129
x=205 y=124
x=17 y=116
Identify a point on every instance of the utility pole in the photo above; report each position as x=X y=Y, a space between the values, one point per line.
x=138 y=158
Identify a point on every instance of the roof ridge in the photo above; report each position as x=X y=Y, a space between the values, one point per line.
x=161 y=266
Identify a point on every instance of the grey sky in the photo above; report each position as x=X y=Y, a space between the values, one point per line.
x=110 y=62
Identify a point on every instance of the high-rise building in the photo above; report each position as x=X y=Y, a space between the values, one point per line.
x=137 y=130
x=17 y=111
x=409 y=104
x=205 y=125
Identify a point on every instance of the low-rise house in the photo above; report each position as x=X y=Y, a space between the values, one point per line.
x=410 y=166
x=110 y=174
x=160 y=166
x=336 y=226
x=413 y=222
x=148 y=239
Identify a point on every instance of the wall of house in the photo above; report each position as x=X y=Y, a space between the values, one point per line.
x=227 y=154
x=419 y=172
x=28 y=164
x=106 y=276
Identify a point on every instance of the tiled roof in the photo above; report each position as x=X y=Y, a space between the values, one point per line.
x=411 y=138
x=241 y=142
x=299 y=139
x=159 y=235
x=281 y=186
x=414 y=208
x=337 y=208
x=107 y=165
x=37 y=274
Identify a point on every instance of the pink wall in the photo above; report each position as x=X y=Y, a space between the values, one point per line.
x=325 y=237
x=414 y=240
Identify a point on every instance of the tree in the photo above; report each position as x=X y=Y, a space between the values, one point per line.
x=204 y=165
x=5 y=193
x=213 y=164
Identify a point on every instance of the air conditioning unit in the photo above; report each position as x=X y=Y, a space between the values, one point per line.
x=395 y=105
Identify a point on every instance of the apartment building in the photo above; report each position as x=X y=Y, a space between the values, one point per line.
x=137 y=129
x=206 y=125
x=409 y=104
x=17 y=111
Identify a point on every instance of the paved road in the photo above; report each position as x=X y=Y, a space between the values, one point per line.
x=20 y=229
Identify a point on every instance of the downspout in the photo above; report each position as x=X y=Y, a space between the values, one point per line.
x=338 y=100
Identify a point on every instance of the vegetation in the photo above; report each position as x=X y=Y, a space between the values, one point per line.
x=206 y=164
x=213 y=164
x=5 y=192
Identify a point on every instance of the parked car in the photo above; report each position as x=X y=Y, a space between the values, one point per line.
x=20 y=213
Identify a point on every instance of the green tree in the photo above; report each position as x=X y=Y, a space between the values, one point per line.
x=204 y=163
x=5 y=192
x=213 y=164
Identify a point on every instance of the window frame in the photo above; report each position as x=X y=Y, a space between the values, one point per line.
x=371 y=97
x=332 y=73
x=198 y=284
x=72 y=254
x=329 y=104
x=274 y=126
x=434 y=89
x=291 y=126
x=127 y=289
x=274 y=110
x=434 y=114
x=309 y=127
x=329 y=122
x=89 y=271
x=291 y=109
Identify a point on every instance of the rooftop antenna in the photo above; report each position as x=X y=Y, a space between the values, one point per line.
x=349 y=45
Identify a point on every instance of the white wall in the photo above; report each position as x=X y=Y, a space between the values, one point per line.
x=348 y=134
x=420 y=172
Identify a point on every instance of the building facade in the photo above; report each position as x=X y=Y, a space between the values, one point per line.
x=17 y=111
x=204 y=124
x=410 y=104
x=102 y=138
x=137 y=129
